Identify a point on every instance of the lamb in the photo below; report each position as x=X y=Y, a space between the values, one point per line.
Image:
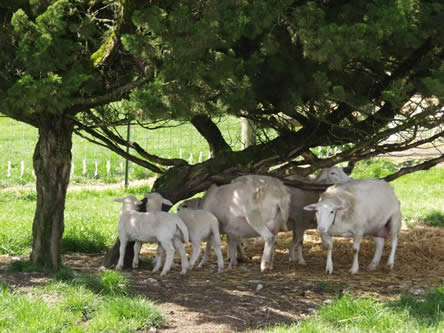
x=202 y=225
x=196 y=203
x=364 y=207
x=158 y=227
x=153 y=203
x=250 y=206
x=299 y=219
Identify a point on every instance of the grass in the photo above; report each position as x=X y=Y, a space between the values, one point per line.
x=91 y=218
x=352 y=314
x=18 y=140
x=78 y=303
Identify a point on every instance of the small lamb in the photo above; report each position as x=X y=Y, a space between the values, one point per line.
x=363 y=207
x=159 y=227
x=202 y=225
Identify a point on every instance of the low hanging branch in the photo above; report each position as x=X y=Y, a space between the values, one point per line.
x=423 y=166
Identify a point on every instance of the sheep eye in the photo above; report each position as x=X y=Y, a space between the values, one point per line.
x=332 y=212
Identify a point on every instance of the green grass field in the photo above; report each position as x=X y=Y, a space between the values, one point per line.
x=18 y=140
x=103 y=302
x=78 y=303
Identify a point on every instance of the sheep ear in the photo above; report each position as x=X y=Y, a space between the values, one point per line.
x=339 y=208
x=167 y=202
x=312 y=207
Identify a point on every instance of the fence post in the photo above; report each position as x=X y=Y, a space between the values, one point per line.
x=127 y=151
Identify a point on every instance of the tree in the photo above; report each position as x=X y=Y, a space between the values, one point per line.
x=56 y=64
x=306 y=73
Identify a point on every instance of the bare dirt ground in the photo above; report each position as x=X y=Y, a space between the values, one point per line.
x=204 y=301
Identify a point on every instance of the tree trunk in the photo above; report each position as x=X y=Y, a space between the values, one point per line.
x=248 y=133
x=52 y=165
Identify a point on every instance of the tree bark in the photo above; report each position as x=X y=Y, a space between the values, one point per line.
x=248 y=133
x=52 y=165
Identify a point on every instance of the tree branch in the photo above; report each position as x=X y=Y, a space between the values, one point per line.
x=423 y=166
x=211 y=133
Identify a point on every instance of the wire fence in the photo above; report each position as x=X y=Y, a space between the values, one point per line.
x=91 y=162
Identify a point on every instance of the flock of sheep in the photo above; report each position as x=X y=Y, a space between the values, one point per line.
x=262 y=206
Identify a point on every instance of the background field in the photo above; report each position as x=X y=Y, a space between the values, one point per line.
x=121 y=302
x=17 y=142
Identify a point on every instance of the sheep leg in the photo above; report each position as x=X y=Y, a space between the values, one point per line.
x=395 y=226
x=328 y=243
x=137 y=246
x=391 y=259
x=379 y=241
x=122 y=249
x=205 y=256
x=298 y=239
x=233 y=243
x=215 y=241
x=356 y=246
x=195 y=253
x=268 y=254
x=158 y=258
x=292 y=247
x=169 y=249
x=178 y=244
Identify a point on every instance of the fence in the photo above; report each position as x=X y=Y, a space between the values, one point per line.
x=91 y=162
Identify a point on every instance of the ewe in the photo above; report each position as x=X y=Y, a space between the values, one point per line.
x=159 y=227
x=250 y=206
x=300 y=220
x=364 y=207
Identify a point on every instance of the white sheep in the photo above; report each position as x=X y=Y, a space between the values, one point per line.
x=364 y=207
x=250 y=206
x=299 y=219
x=202 y=225
x=331 y=175
x=196 y=203
x=159 y=227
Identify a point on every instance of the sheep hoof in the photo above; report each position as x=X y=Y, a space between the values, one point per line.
x=372 y=266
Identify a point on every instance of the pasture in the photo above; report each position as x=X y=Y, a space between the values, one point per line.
x=85 y=297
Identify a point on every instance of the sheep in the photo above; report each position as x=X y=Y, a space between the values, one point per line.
x=153 y=203
x=364 y=207
x=202 y=225
x=250 y=206
x=331 y=175
x=150 y=227
x=196 y=203
x=299 y=219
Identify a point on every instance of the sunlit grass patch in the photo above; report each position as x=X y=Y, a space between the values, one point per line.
x=353 y=314
x=85 y=303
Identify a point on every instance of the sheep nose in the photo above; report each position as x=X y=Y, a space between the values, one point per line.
x=321 y=229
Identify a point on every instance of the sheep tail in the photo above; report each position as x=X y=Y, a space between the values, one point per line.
x=183 y=228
